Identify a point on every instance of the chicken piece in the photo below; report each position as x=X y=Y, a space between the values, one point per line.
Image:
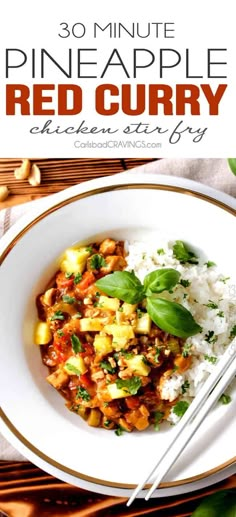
x=137 y=419
x=107 y=247
x=113 y=263
x=112 y=410
x=58 y=379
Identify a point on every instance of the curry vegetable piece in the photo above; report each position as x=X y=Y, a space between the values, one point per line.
x=103 y=344
x=120 y=331
x=74 y=260
x=173 y=345
x=75 y=366
x=118 y=343
x=111 y=304
x=117 y=393
x=42 y=334
x=91 y=324
x=128 y=308
x=94 y=418
x=138 y=366
x=143 y=325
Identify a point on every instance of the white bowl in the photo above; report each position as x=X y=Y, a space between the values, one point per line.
x=33 y=415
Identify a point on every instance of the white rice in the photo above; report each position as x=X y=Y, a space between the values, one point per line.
x=207 y=285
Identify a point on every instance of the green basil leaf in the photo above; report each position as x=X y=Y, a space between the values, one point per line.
x=160 y=280
x=232 y=164
x=183 y=254
x=123 y=285
x=172 y=317
x=222 y=503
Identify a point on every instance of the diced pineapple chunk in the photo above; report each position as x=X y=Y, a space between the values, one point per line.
x=120 y=331
x=119 y=343
x=74 y=260
x=92 y=324
x=117 y=393
x=42 y=333
x=111 y=304
x=143 y=324
x=128 y=308
x=138 y=366
x=103 y=344
x=75 y=366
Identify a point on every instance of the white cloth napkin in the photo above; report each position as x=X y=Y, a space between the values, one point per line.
x=212 y=172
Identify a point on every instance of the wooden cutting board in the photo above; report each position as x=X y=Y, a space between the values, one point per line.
x=27 y=491
x=58 y=174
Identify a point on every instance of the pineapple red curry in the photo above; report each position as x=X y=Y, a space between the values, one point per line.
x=108 y=355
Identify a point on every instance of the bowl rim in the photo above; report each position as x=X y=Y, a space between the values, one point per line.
x=78 y=192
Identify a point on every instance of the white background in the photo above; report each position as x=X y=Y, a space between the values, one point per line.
x=198 y=26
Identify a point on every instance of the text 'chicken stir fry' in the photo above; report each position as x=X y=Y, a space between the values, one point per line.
x=105 y=356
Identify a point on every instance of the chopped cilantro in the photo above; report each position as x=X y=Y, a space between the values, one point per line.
x=68 y=275
x=131 y=385
x=157 y=354
x=83 y=394
x=77 y=315
x=210 y=263
x=185 y=283
x=224 y=279
x=77 y=278
x=211 y=358
x=158 y=416
x=210 y=337
x=127 y=355
x=180 y=408
x=107 y=366
x=76 y=344
x=211 y=305
x=60 y=333
x=107 y=423
x=58 y=315
x=68 y=299
x=220 y=314
x=185 y=386
x=139 y=313
x=89 y=249
x=121 y=309
x=185 y=295
x=119 y=431
x=233 y=331
x=160 y=251
x=183 y=254
x=186 y=349
x=225 y=399
x=97 y=261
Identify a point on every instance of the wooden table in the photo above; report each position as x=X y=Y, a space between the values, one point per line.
x=25 y=490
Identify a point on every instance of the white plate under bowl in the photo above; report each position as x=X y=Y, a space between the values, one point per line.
x=33 y=415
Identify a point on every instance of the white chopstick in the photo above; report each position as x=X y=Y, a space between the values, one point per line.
x=205 y=400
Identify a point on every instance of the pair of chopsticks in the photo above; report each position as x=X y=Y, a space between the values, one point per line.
x=217 y=382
